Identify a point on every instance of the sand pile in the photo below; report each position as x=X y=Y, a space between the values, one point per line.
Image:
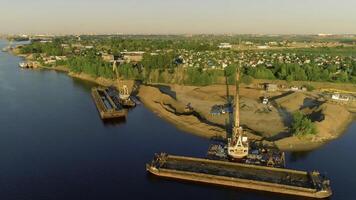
x=163 y=105
x=336 y=118
x=292 y=102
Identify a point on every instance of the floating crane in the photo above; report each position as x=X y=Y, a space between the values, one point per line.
x=238 y=146
x=124 y=95
x=124 y=91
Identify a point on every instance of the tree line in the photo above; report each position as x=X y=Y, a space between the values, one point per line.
x=167 y=66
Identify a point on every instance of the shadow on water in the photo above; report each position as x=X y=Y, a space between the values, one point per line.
x=298 y=156
x=114 y=122
x=242 y=192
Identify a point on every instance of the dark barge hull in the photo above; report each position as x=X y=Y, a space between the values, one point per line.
x=240 y=175
x=107 y=110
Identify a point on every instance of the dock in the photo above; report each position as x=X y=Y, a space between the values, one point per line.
x=262 y=178
x=107 y=108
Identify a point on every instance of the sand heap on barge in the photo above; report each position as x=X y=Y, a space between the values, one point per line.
x=277 y=180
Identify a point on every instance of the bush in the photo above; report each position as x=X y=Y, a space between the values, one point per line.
x=302 y=125
x=246 y=79
x=309 y=87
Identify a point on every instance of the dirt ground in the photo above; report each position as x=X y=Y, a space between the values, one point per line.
x=165 y=107
x=254 y=115
x=169 y=102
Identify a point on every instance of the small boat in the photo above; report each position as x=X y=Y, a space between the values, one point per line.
x=23 y=65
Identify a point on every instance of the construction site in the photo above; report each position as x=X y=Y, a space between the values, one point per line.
x=235 y=163
x=209 y=112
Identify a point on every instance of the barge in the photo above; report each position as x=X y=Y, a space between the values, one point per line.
x=262 y=178
x=121 y=97
x=107 y=106
x=262 y=156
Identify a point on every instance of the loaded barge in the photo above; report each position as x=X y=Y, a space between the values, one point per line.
x=107 y=106
x=122 y=97
x=277 y=180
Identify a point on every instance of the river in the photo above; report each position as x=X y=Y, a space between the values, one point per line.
x=53 y=145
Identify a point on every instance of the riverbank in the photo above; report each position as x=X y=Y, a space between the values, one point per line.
x=261 y=124
x=336 y=120
x=166 y=107
x=257 y=122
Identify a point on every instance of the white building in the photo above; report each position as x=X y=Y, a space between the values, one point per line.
x=225 y=46
x=263 y=47
x=340 y=97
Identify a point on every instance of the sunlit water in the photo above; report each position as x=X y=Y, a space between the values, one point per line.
x=53 y=145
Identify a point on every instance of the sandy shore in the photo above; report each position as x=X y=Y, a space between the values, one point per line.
x=169 y=101
x=337 y=117
x=153 y=99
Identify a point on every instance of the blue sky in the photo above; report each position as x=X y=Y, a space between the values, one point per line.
x=178 y=16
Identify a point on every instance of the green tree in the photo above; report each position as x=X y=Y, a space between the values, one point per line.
x=260 y=73
x=302 y=125
x=353 y=66
x=325 y=76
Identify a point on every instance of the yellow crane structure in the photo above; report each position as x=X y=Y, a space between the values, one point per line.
x=124 y=91
x=238 y=146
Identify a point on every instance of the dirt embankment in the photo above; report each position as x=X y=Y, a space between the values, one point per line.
x=169 y=101
x=103 y=81
x=165 y=106
x=330 y=119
